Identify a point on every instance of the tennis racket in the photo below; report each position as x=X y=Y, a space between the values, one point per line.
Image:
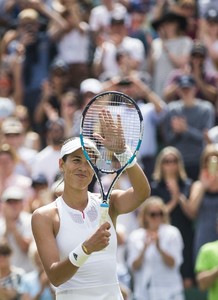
x=113 y=121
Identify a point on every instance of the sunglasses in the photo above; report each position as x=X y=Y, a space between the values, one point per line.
x=170 y=161
x=155 y=214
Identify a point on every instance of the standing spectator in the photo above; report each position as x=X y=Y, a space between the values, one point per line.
x=170 y=50
x=185 y=124
x=155 y=254
x=15 y=226
x=38 y=47
x=203 y=200
x=11 y=277
x=73 y=44
x=46 y=161
x=171 y=183
x=207 y=268
x=206 y=81
x=209 y=36
x=105 y=63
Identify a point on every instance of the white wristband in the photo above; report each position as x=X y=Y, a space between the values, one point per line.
x=78 y=257
x=125 y=157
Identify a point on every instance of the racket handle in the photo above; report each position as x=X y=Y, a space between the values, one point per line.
x=104 y=207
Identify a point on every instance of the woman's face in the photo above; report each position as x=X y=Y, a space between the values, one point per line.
x=154 y=216
x=77 y=172
x=170 y=164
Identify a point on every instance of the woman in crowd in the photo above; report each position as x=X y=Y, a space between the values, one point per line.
x=170 y=182
x=155 y=254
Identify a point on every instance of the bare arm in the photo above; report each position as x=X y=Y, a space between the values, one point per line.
x=127 y=201
x=206 y=279
x=45 y=221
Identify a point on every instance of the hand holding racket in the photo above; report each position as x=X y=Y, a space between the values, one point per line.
x=113 y=121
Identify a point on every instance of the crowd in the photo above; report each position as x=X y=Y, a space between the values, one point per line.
x=55 y=56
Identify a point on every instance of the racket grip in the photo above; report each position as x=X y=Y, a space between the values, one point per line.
x=104 y=207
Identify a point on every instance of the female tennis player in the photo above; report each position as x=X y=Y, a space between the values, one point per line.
x=78 y=254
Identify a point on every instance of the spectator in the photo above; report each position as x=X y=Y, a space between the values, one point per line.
x=171 y=183
x=7 y=108
x=203 y=200
x=46 y=161
x=185 y=123
x=14 y=135
x=207 y=268
x=11 y=277
x=52 y=91
x=209 y=36
x=10 y=78
x=155 y=254
x=36 y=283
x=206 y=81
x=73 y=44
x=170 y=50
x=89 y=88
x=100 y=17
x=15 y=226
x=41 y=194
x=105 y=63
x=38 y=47
x=8 y=176
x=32 y=138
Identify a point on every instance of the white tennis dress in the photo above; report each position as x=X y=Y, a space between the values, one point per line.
x=97 y=278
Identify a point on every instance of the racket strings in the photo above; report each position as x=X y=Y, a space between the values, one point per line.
x=115 y=108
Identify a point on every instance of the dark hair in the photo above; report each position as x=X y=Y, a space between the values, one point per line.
x=5 y=248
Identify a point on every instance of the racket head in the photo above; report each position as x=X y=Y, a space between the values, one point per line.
x=116 y=104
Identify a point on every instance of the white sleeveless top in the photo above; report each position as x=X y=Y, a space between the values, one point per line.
x=97 y=278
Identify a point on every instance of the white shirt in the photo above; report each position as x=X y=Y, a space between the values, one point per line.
x=23 y=225
x=154 y=276
x=133 y=46
x=46 y=162
x=73 y=47
x=97 y=277
x=100 y=16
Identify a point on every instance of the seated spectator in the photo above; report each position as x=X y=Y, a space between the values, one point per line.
x=171 y=183
x=41 y=195
x=15 y=226
x=155 y=254
x=14 y=135
x=46 y=160
x=186 y=121
x=207 y=268
x=7 y=108
x=8 y=175
x=36 y=283
x=32 y=138
x=11 y=277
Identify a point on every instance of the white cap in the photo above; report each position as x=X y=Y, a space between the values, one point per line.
x=91 y=85
x=74 y=144
x=12 y=192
